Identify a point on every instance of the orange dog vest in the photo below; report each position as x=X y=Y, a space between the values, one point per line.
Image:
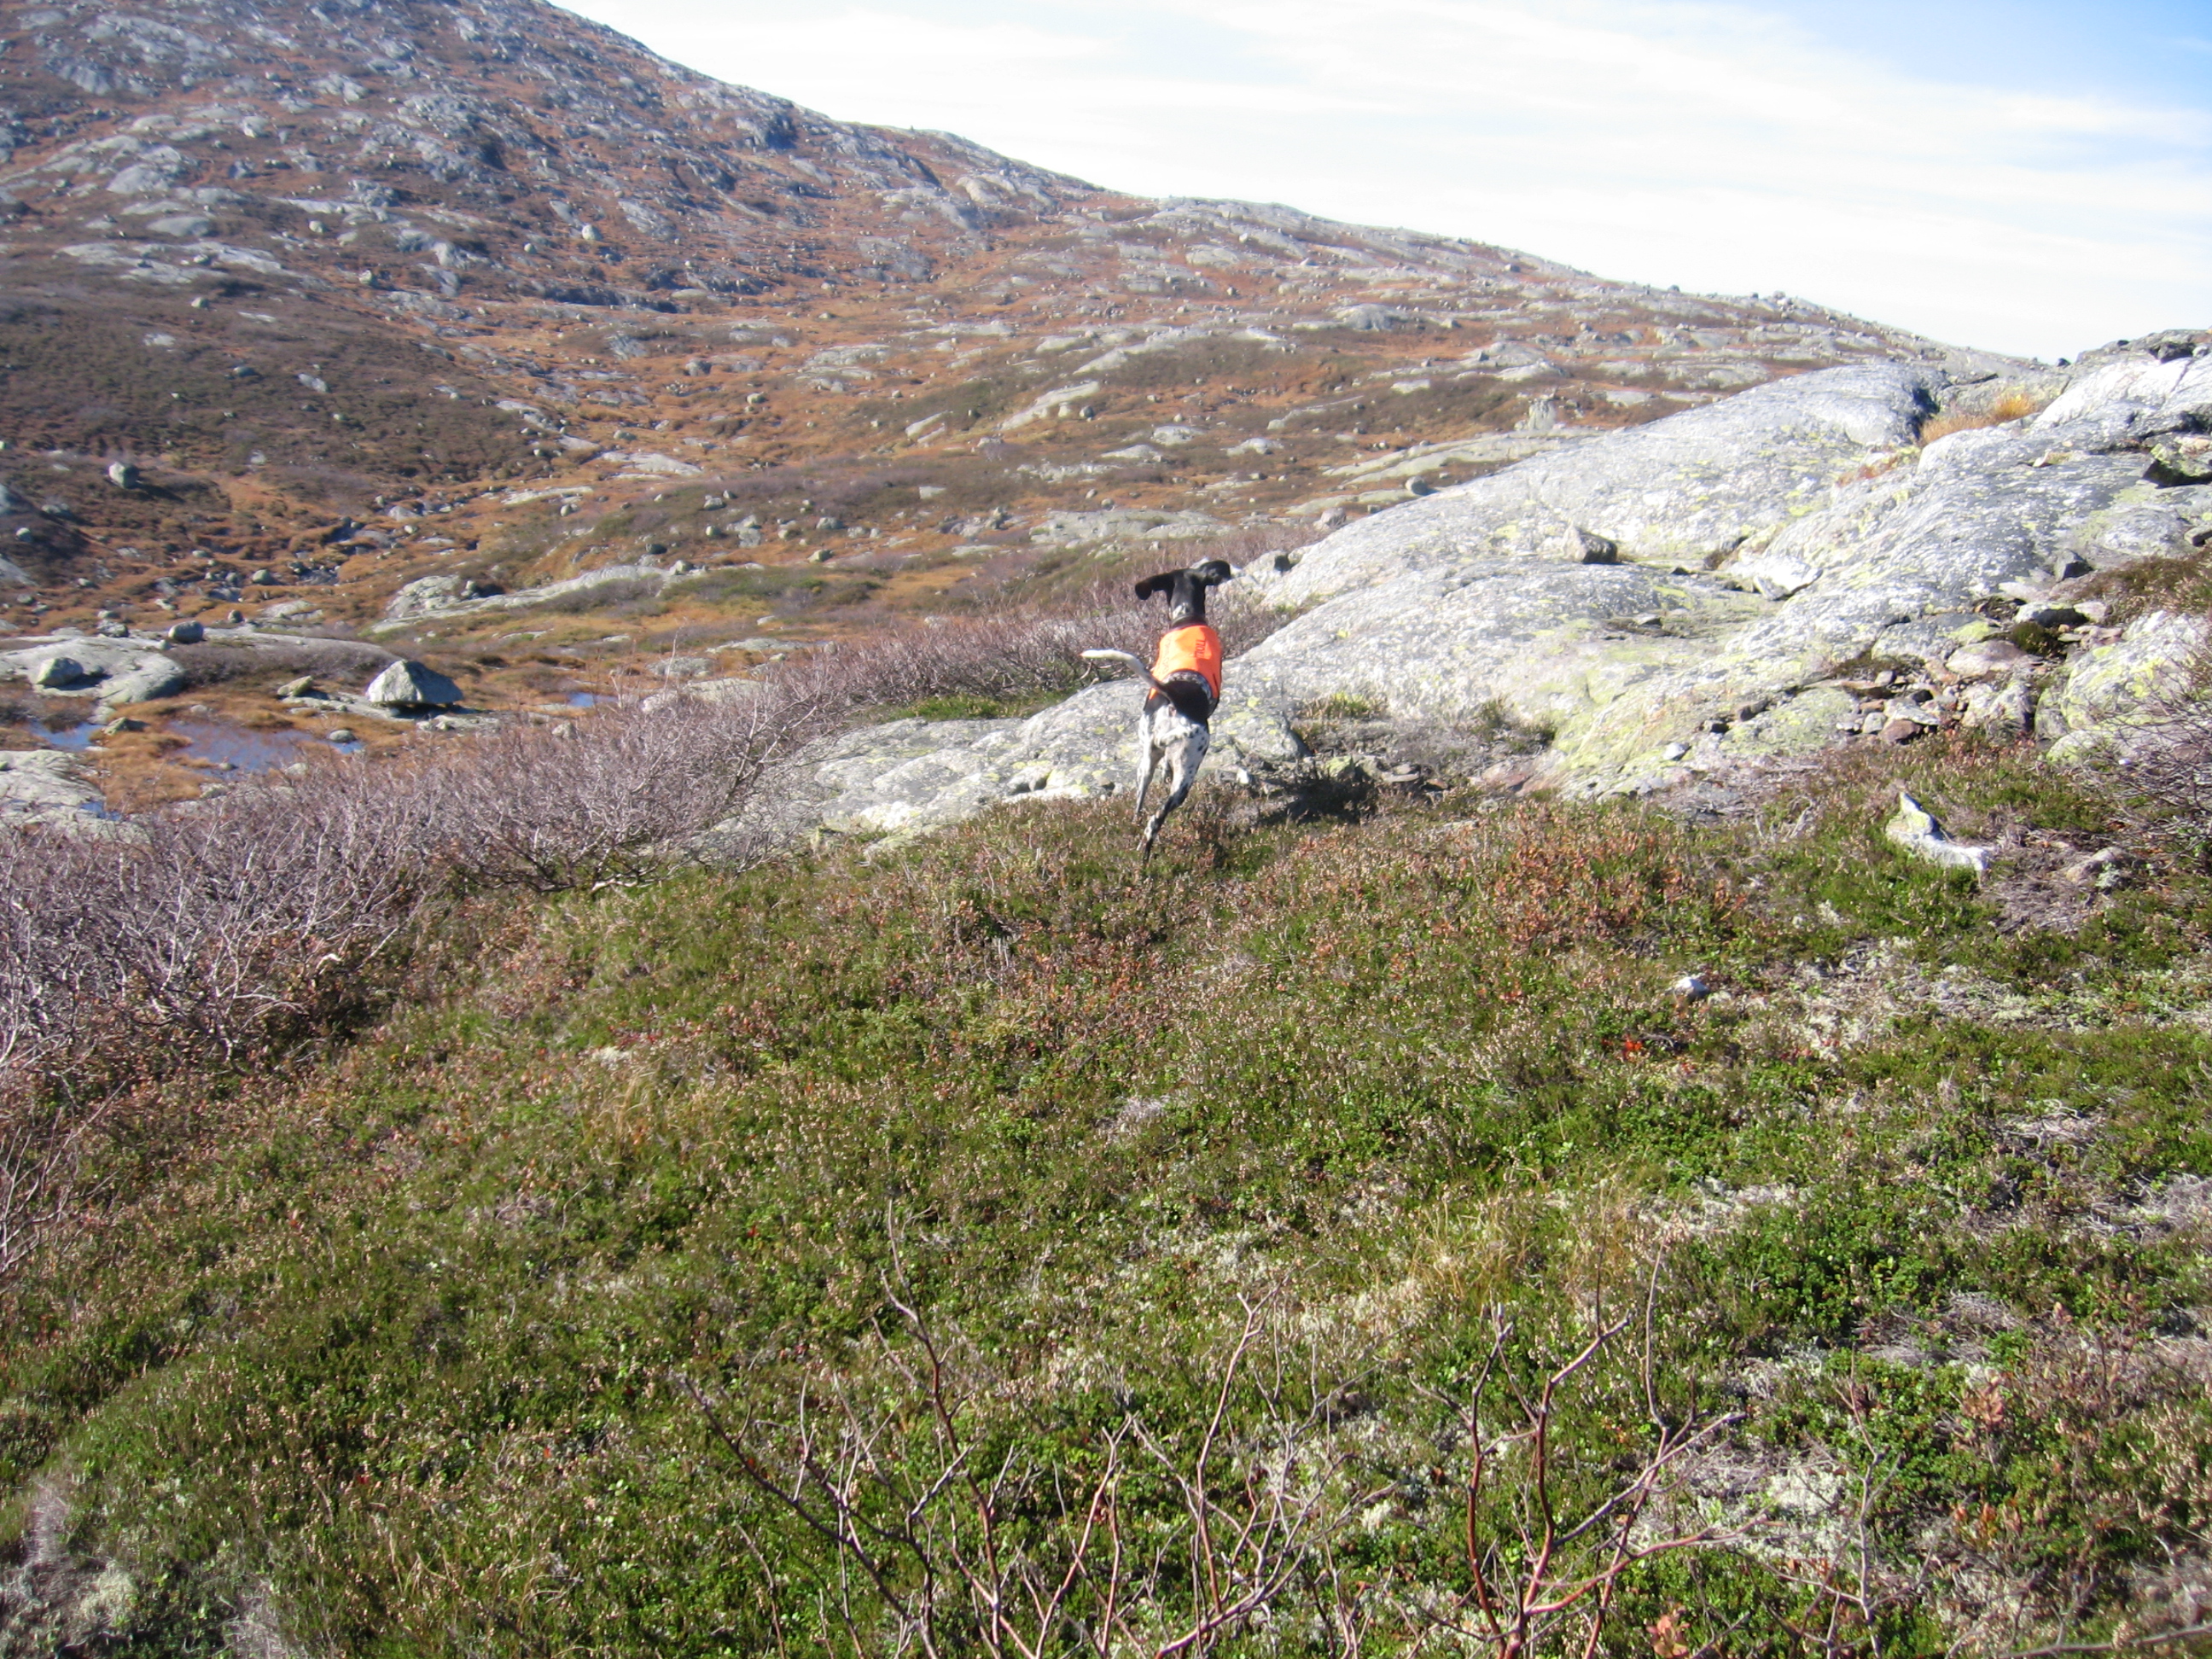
x=1193 y=648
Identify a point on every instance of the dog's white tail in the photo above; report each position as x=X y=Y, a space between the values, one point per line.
x=1107 y=654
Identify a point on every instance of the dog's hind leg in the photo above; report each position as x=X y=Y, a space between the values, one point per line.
x=1186 y=753
x=1148 y=760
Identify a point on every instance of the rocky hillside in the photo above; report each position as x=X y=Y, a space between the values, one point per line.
x=367 y=293
x=482 y=332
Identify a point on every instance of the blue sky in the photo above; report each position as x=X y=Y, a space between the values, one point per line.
x=2030 y=178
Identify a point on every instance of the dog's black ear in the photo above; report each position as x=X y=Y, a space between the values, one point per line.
x=1213 y=573
x=1159 y=583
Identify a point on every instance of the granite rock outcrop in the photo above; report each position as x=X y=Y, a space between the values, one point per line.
x=1791 y=569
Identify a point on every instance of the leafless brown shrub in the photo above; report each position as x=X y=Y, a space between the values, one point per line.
x=613 y=801
x=205 y=927
x=958 y=1540
x=223 y=931
x=42 y=1145
x=1225 y=1511
x=1545 y=1554
x=1013 y=653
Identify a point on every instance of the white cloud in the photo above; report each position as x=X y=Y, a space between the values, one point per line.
x=1709 y=145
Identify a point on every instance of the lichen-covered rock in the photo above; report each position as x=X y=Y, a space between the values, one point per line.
x=2085 y=713
x=912 y=774
x=2131 y=403
x=1914 y=827
x=96 y=659
x=1766 y=543
x=1691 y=487
x=58 y=672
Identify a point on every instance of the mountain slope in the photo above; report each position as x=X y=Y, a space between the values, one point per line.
x=321 y=271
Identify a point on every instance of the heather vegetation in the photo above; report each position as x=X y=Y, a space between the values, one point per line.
x=1351 y=1237
x=83 y=376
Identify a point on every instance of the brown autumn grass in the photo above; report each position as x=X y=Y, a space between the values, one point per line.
x=2013 y=406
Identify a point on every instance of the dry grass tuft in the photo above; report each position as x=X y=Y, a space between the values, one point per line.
x=2013 y=406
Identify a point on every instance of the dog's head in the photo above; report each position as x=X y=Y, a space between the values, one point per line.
x=1186 y=589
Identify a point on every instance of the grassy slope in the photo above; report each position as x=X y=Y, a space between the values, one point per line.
x=398 y=1344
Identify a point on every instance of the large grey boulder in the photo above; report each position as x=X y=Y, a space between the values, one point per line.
x=2092 y=706
x=1855 y=548
x=95 y=660
x=1690 y=488
x=408 y=684
x=48 y=787
x=909 y=775
x=144 y=680
x=1772 y=551
x=2130 y=403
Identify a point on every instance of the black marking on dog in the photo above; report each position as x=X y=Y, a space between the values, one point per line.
x=1186 y=589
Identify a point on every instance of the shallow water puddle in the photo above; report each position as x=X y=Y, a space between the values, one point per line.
x=238 y=748
x=76 y=738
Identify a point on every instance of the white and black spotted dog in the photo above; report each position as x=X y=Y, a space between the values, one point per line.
x=1185 y=679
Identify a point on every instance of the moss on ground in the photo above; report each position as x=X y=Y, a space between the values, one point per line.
x=980 y=1177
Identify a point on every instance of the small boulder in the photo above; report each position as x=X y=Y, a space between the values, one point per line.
x=1777 y=576
x=58 y=673
x=2005 y=709
x=185 y=632
x=122 y=475
x=1986 y=659
x=1594 y=549
x=265 y=579
x=1914 y=829
x=1917 y=706
x=2104 y=869
x=2181 y=461
x=409 y=685
x=340 y=734
x=302 y=687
